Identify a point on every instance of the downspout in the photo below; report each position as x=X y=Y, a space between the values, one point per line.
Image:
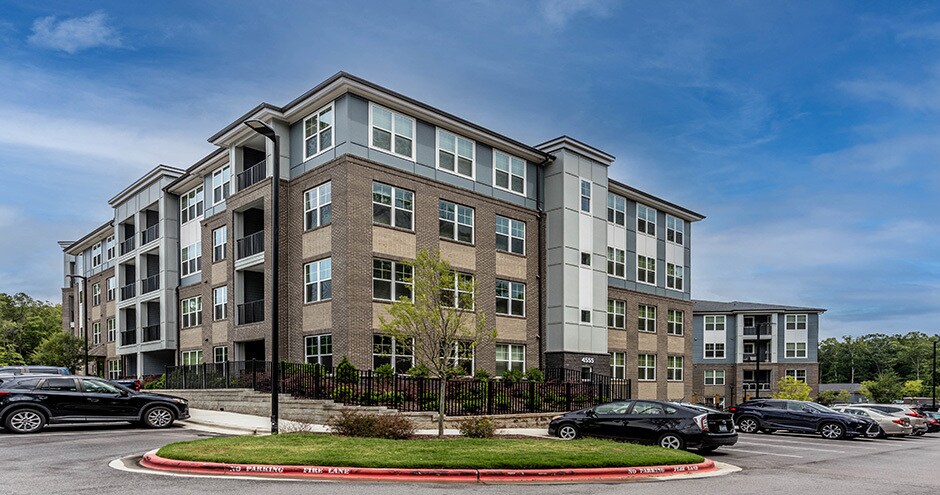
x=179 y=323
x=540 y=207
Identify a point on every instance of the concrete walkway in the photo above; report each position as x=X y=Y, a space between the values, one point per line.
x=229 y=423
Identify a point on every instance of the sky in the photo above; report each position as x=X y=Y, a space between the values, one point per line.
x=808 y=133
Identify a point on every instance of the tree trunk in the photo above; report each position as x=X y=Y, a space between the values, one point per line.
x=440 y=406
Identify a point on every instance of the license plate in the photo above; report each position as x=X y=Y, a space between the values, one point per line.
x=722 y=427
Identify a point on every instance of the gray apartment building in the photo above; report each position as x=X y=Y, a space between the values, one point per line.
x=572 y=268
x=743 y=349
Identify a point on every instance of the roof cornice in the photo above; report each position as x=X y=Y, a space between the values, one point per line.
x=587 y=150
x=148 y=178
x=89 y=239
x=658 y=203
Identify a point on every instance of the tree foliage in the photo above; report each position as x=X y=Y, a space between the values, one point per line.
x=60 y=349
x=830 y=397
x=886 y=388
x=25 y=323
x=9 y=356
x=868 y=357
x=792 y=389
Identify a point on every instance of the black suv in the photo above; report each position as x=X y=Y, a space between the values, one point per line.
x=799 y=416
x=28 y=403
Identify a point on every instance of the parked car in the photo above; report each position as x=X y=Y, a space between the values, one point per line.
x=28 y=403
x=769 y=415
x=933 y=420
x=918 y=420
x=33 y=370
x=666 y=424
x=889 y=426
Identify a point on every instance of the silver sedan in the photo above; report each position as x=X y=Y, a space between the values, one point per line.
x=891 y=426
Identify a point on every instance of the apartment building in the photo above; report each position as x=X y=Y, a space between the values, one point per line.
x=572 y=269
x=743 y=349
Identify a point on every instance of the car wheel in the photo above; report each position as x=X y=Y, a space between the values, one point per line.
x=158 y=417
x=671 y=441
x=568 y=431
x=25 y=421
x=920 y=433
x=832 y=431
x=748 y=424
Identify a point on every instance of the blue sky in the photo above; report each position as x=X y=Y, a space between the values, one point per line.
x=807 y=132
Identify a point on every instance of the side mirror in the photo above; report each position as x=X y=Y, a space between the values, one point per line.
x=590 y=413
x=808 y=410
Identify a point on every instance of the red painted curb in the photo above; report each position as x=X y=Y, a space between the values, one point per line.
x=154 y=461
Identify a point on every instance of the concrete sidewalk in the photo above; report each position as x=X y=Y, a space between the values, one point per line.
x=229 y=423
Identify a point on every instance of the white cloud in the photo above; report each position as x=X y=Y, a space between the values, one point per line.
x=75 y=34
x=559 y=12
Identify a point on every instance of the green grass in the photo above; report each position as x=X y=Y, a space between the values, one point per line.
x=454 y=453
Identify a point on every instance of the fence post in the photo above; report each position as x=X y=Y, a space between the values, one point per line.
x=184 y=377
x=203 y=376
x=490 y=386
x=254 y=376
x=567 y=395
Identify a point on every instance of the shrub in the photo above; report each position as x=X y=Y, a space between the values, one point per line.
x=482 y=375
x=535 y=375
x=428 y=401
x=477 y=427
x=419 y=371
x=346 y=372
x=384 y=373
x=512 y=376
x=502 y=403
x=456 y=372
x=392 y=398
x=554 y=399
x=472 y=406
x=158 y=383
x=343 y=394
x=356 y=424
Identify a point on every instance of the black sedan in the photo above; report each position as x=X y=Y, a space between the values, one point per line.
x=770 y=415
x=666 y=424
x=29 y=403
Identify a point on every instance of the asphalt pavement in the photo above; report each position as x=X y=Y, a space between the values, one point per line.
x=75 y=460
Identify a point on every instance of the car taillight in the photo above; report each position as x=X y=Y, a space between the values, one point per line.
x=702 y=422
x=915 y=414
x=933 y=421
x=898 y=421
x=2 y=393
x=733 y=409
x=136 y=385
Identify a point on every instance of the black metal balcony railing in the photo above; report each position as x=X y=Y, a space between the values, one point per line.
x=151 y=333
x=752 y=358
x=129 y=336
x=150 y=234
x=128 y=291
x=150 y=284
x=249 y=245
x=127 y=246
x=755 y=331
x=251 y=312
x=252 y=175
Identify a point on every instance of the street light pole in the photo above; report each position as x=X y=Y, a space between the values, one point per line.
x=933 y=376
x=84 y=312
x=268 y=132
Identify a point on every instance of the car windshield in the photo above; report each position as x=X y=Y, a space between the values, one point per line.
x=820 y=408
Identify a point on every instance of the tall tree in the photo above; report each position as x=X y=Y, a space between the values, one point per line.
x=25 y=322
x=60 y=349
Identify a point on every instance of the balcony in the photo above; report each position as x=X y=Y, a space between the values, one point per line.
x=129 y=337
x=128 y=291
x=251 y=312
x=759 y=332
x=764 y=386
x=150 y=284
x=127 y=246
x=150 y=235
x=249 y=245
x=151 y=333
x=252 y=175
x=752 y=358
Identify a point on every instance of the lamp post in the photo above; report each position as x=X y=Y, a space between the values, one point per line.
x=933 y=375
x=84 y=312
x=268 y=132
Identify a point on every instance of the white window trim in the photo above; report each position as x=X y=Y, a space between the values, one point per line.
x=590 y=198
x=614 y=366
x=795 y=374
x=612 y=205
x=510 y=361
x=796 y=350
x=624 y=263
x=195 y=319
x=714 y=377
x=215 y=303
x=680 y=369
x=681 y=322
x=196 y=192
x=456 y=222
x=316 y=193
x=195 y=247
x=319 y=282
x=316 y=115
x=318 y=356
x=509 y=299
x=437 y=154
x=414 y=137
x=647 y=319
x=679 y=276
x=647 y=379
x=623 y=306
x=215 y=357
x=392 y=281
x=715 y=322
x=510 y=236
x=636 y=225
x=220 y=172
x=394 y=208
x=524 y=174
x=644 y=282
x=796 y=322
x=681 y=229
x=223 y=245
x=724 y=350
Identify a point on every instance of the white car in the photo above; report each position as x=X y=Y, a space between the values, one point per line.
x=918 y=422
x=891 y=426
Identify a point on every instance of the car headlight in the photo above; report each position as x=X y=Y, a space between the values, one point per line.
x=180 y=401
x=556 y=417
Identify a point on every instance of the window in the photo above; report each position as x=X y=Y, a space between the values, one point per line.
x=220 y=354
x=318 y=280
x=508 y=172
x=392 y=132
x=96 y=294
x=455 y=154
x=191 y=259
x=59 y=385
x=510 y=298
x=647 y=318
x=112 y=329
x=318 y=206
x=674 y=368
x=616 y=313
x=219 y=303
x=96 y=332
x=318 y=132
x=391 y=280
x=748 y=348
x=618 y=365
x=586 y=196
x=191 y=205
x=645 y=269
x=799 y=375
x=616 y=209
x=674 y=276
x=509 y=357
x=191 y=311
x=111 y=284
x=510 y=235
x=462 y=357
x=714 y=323
x=715 y=350
x=456 y=222
x=109 y=246
x=318 y=349
x=219 y=243
x=796 y=349
x=616 y=262
x=114 y=369
x=459 y=285
x=714 y=377
x=796 y=322
x=221 y=184
x=585 y=316
x=585 y=258
x=392 y=206
x=674 y=318
x=192 y=358
x=646 y=367
x=645 y=220
x=387 y=350
x=675 y=229
x=96 y=255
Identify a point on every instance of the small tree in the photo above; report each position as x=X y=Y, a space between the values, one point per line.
x=60 y=349
x=830 y=397
x=9 y=356
x=913 y=388
x=438 y=320
x=887 y=388
x=793 y=389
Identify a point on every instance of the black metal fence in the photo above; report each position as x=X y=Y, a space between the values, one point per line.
x=563 y=390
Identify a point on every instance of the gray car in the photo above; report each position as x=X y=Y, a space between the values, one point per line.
x=891 y=426
x=918 y=422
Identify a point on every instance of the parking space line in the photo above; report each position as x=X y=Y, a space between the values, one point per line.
x=735 y=449
x=790 y=447
x=808 y=441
